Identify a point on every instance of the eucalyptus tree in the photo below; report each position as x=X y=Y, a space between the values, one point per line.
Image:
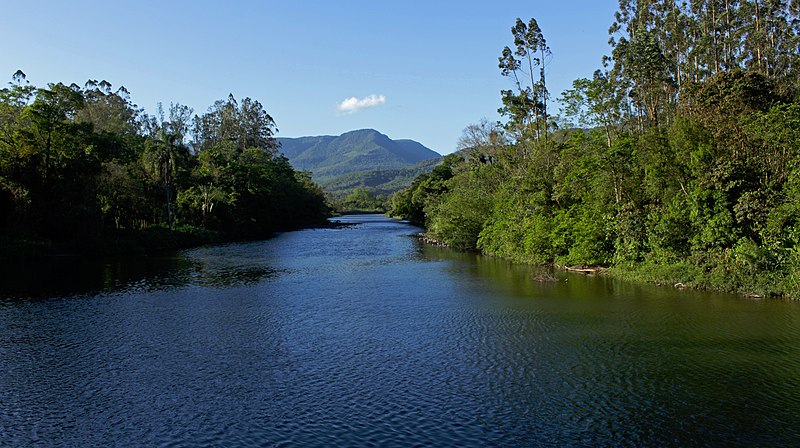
x=52 y=122
x=647 y=52
x=247 y=124
x=776 y=38
x=526 y=106
x=14 y=99
x=109 y=111
x=596 y=103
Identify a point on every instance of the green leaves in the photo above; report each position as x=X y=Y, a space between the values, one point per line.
x=247 y=124
x=526 y=106
x=674 y=158
x=77 y=162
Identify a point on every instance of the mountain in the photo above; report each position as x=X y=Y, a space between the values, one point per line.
x=329 y=157
x=379 y=181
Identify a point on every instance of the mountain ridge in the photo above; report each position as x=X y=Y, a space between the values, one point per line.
x=379 y=181
x=328 y=157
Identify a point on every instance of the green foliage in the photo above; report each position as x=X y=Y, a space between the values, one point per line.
x=683 y=174
x=425 y=191
x=459 y=215
x=520 y=224
x=77 y=164
x=582 y=236
x=712 y=221
x=362 y=199
x=669 y=229
x=379 y=181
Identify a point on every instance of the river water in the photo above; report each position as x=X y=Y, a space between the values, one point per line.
x=363 y=336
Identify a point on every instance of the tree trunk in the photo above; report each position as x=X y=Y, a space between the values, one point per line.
x=167 y=193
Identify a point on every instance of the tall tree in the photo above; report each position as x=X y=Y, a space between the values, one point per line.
x=247 y=124
x=527 y=105
x=166 y=145
x=107 y=110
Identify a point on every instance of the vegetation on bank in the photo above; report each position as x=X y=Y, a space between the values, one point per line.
x=678 y=162
x=83 y=169
x=361 y=200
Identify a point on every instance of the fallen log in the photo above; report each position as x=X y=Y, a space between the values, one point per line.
x=583 y=269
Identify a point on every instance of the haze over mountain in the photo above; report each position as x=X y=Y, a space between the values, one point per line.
x=328 y=157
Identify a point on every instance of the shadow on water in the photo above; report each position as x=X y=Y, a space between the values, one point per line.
x=524 y=280
x=360 y=335
x=69 y=276
x=214 y=266
x=605 y=361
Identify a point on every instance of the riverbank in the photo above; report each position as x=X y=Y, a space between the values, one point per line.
x=730 y=277
x=721 y=274
x=139 y=242
x=361 y=211
x=142 y=242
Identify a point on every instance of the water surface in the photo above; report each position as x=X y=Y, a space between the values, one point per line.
x=362 y=336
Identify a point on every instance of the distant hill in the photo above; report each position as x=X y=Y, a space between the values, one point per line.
x=330 y=157
x=379 y=181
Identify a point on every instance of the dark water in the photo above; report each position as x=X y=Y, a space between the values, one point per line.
x=364 y=337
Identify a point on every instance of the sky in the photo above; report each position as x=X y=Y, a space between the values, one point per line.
x=420 y=70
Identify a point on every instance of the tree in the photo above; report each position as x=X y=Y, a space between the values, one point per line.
x=77 y=161
x=595 y=102
x=527 y=105
x=362 y=199
x=642 y=62
x=108 y=111
x=52 y=114
x=166 y=148
x=247 y=125
x=14 y=191
x=482 y=141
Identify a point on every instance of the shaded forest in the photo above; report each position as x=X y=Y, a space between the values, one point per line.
x=677 y=162
x=84 y=163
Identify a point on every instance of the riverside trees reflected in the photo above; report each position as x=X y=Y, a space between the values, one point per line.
x=343 y=335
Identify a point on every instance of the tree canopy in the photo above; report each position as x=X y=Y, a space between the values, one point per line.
x=79 y=162
x=677 y=161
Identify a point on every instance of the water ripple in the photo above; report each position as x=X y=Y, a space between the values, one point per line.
x=361 y=337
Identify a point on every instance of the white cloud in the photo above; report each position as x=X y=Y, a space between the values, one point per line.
x=353 y=104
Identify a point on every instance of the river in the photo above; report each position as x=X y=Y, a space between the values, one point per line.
x=364 y=336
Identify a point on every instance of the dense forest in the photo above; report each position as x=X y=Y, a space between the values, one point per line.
x=81 y=164
x=677 y=162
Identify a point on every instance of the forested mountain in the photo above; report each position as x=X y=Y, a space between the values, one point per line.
x=77 y=163
x=328 y=157
x=678 y=161
x=379 y=181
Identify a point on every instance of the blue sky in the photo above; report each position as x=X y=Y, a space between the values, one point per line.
x=426 y=68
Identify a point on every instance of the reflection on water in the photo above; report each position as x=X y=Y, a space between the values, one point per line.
x=362 y=336
x=608 y=362
x=217 y=266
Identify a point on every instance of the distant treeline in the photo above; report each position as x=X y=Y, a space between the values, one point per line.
x=77 y=163
x=677 y=162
